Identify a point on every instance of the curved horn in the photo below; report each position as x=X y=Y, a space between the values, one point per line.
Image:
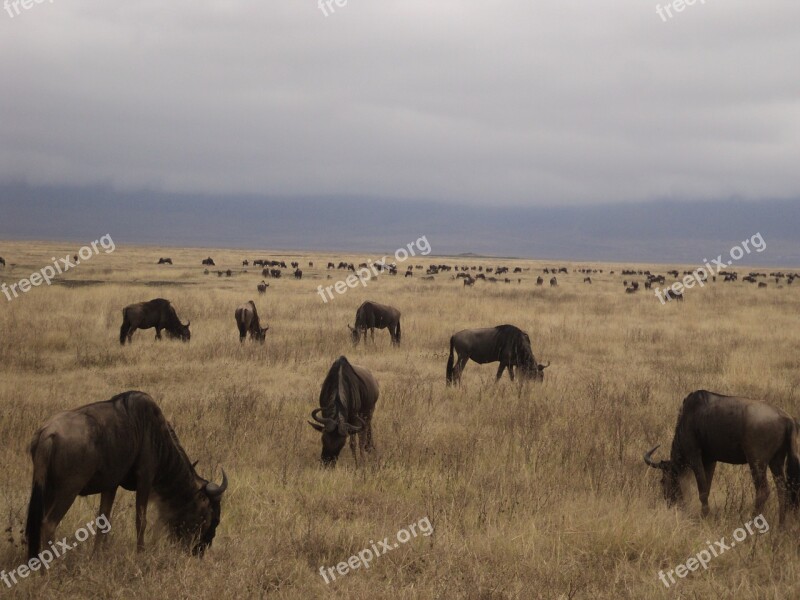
x=330 y=424
x=188 y=323
x=214 y=490
x=648 y=458
x=545 y=366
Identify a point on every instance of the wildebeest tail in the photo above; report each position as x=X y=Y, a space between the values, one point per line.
x=123 y=330
x=398 y=331
x=40 y=453
x=793 y=466
x=450 y=363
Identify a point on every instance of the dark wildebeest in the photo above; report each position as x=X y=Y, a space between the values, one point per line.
x=298 y=274
x=539 y=281
x=209 y=261
x=587 y=280
x=245 y=263
x=372 y=316
x=247 y=321
x=127 y=442
x=347 y=402
x=157 y=313
x=2 y=261
x=713 y=428
x=165 y=261
x=262 y=287
x=553 y=282
x=505 y=343
x=469 y=280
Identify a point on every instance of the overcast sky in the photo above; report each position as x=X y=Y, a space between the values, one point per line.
x=493 y=103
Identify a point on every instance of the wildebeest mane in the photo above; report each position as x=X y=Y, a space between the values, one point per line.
x=340 y=394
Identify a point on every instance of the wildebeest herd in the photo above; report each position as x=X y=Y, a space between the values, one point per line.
x=127 y=442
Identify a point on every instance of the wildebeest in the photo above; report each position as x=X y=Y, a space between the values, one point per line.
x=671 y=294
x=469 y=280
x=713 y=428
x=553 y=282
x=122 y=442
x=587 y=280
x=298 y=274
x=2 y=261
x=245 y=263
x=165 y=261
x=505 y=343
x=539 y=281
x=346 y=403
x=372 y=316
x=262 y=287
x=209 y=262
x=157 y=313
x=247 y=321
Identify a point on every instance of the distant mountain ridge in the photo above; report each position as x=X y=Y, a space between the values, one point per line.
x=659 y=232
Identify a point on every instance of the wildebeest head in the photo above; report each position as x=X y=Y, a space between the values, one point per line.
x=670 y=477
x=334 y=433
x=261 y=334
x=355 y=333
x=208 y=512
x=181 y=332
x=527 y=363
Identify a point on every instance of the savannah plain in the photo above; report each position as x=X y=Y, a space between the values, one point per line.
x=534 y=490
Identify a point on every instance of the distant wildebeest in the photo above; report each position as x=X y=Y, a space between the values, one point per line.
x=587 y=280
x=122 y=442
x=631 y=290
x=295 y=264
x=331 y=265
x=298 y=274
x=671 y=294
x=262 y=287
x=539 y=281
x=2 y=261
x=372 y=316
x=165 y=261
x=247 y=322
x=410 y=273
x=346 y=403
x=209 y=262
x=469 y=281
x=310 y=263
x=714 y=428
x=245 y=263
x=505 y=343
x=157 y=313
x=228 y=273
x=276 y=273
x=553 y=282
x=761 y=284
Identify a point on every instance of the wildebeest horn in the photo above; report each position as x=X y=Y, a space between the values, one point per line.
x=329 y=424
x=648 y=458
x=188 y=323
x=349 y=327
x=214 y=490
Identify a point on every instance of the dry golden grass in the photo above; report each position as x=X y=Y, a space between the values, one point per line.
x=535 y=491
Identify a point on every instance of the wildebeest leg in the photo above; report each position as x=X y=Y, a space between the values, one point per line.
x=462 y=362
x=372 y=333
x=353 y=448
x=158 y=333
x=55 y=512
x=500 y=370
x=759 y=473
x=106 y=502
x=370 y=444
x=142 y=496
x=511 y=371
x=703 y=486
x=776 y=466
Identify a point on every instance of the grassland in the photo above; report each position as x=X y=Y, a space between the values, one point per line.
x=534 y=490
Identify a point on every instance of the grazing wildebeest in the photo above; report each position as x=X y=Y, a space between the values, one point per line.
x=298 y=274
x=505 y=343
x=247 y=321
x=165 y=261
x=372 y=316
x=713 y=428
x=245 y=263
x=553 y=282
x=469 y=280
x=209 y=262
x=157 y=313
x=122 y=442
x=539 y=281
x=587 y=280
x=347 y=401
x=262 y=287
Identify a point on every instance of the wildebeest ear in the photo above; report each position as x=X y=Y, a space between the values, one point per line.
x=316 y=426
